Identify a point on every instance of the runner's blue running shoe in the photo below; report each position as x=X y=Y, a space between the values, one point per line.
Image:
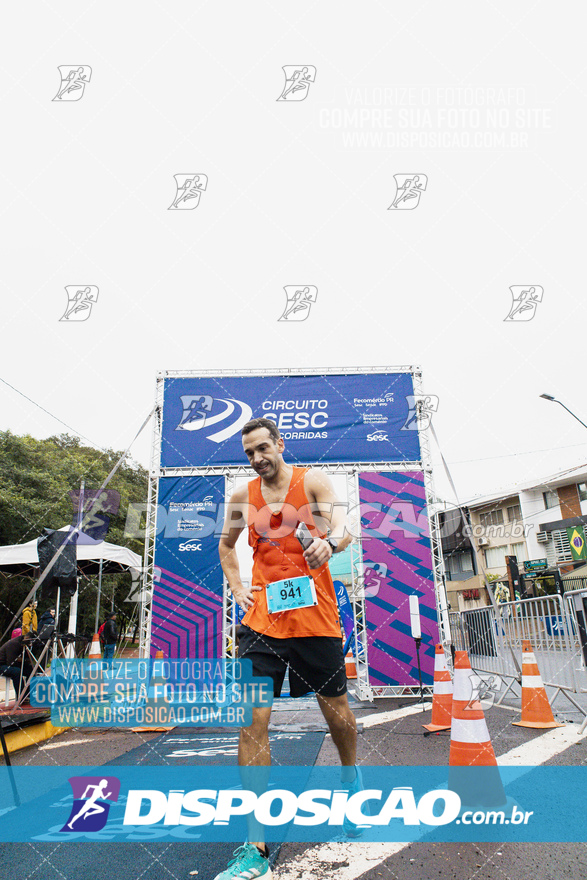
x=247 y=864
x=349 y=828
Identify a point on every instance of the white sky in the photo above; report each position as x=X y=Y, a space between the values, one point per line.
x=193 y=89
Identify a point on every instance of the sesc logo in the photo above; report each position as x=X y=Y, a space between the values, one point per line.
x=377 y=435
x=194 y=544
x=201 y=411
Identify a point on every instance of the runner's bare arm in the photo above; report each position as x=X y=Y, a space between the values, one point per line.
x=234 y=524
x=321 y=494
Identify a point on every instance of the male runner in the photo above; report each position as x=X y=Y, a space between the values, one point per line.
x=307 y=637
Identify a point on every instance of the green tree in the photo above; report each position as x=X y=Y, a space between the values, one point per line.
x=35 y=478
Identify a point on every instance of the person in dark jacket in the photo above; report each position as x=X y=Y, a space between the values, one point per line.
x=11 y=665
x=110 y=636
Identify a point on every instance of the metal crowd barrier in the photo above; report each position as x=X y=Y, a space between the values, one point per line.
x=553 y=624
x=576 y=602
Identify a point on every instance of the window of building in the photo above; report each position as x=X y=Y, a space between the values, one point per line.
x=495 y=556
x=582 y=490
x=457 y=563
x=550 y=499
x=491 y=518
x=514 y=513
x=519 y=551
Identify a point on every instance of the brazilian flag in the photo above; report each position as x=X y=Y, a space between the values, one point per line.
x=576 y=537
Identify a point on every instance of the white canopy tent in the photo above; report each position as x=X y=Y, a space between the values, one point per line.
x=17 y=558
x=92 y=558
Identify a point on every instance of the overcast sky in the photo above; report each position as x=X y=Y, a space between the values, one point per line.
x=298 y=193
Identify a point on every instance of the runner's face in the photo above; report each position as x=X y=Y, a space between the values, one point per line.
x=263 y=452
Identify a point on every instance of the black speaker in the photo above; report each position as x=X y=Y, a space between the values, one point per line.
x=63 y=572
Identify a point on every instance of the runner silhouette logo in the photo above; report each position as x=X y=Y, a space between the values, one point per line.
x=90 y=802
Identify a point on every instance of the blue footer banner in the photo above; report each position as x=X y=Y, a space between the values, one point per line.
x=305 y=804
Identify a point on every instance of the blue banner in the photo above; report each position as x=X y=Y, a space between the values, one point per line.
x=308 y=804
x=322 y=418
x=188 y=587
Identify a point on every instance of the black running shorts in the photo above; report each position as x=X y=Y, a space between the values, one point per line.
x=316 y=663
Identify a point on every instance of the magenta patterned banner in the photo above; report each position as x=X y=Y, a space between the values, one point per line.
x=398 y=564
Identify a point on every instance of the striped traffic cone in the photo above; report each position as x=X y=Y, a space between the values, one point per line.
x=95 y=652
x=160 y=680
x=473 y=772
x=349 y=662
x=536 y=711
x=441 y=695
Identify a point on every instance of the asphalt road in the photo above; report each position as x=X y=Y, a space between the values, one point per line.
x=391 y=734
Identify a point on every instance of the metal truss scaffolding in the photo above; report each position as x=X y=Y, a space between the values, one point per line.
x=357 y=591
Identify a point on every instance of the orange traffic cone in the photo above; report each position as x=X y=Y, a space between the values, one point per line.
x=536 y=711
x=441 y=695
x=470 y=745
x=349 y=662
x=95 y=652
x=159 y=655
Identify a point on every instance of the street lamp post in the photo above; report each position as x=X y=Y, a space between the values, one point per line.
x=550 y=397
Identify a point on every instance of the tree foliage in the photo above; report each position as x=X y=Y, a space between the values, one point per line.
x=36 y=476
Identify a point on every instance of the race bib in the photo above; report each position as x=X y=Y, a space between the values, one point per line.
x=298 y=592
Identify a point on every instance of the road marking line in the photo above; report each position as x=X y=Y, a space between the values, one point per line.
x=346 y=861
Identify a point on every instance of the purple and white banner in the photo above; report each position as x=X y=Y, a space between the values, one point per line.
x=395 y=536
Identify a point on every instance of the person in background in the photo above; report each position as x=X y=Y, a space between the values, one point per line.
x=110 y=634
x=11 y=665
x=29 y=619
x=47 y=621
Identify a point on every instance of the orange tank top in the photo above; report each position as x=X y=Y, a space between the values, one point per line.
x=277 y=554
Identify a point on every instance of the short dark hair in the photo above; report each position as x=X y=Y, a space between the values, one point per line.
x=262 y=423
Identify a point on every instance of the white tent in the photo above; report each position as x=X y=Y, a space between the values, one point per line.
x=21 y=558
x=100 y=557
